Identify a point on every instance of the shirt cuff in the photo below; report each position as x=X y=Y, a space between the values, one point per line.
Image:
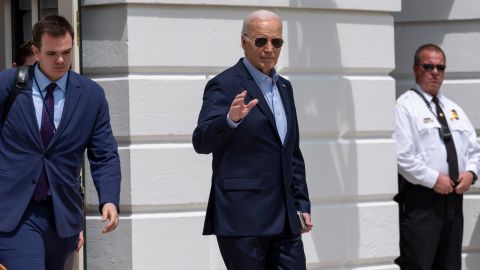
x=231 y=123
x=431 y=178
x=473 y=168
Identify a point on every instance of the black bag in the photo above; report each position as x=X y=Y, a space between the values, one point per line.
x=21 y=80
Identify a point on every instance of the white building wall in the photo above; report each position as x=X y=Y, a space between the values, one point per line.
x=154 y=58
x=454 y=26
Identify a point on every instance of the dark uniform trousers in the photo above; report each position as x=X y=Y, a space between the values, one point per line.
x=431 y=229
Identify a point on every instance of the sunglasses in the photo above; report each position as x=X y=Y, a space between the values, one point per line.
x=430 y=67
x=262 y=41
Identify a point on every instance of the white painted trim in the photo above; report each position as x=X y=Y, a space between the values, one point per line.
x=367 y=5
x=34 y=10
x=8 y=33
x=156 y=215
x=154 y=78
x=151 y=146
x=69 y=9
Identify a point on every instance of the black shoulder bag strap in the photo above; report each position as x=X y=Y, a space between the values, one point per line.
x=21 y=79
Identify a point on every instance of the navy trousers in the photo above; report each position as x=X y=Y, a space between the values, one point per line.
x=35 y=245
x=431 y=230
x=283 y=252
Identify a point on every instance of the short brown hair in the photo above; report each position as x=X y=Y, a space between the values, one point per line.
x=23 y=53
x=54 y=25
x=428 y=47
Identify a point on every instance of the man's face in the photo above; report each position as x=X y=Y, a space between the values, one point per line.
x=54 y=55
x=430 y=79
x=265 y=57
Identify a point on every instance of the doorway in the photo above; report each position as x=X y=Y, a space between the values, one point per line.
x=20 y=15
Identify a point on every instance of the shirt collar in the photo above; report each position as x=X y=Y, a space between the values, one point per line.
x=429 y=97
x=260 y=77
x=43 y=80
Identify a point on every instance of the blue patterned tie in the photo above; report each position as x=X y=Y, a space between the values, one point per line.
x=47 y=131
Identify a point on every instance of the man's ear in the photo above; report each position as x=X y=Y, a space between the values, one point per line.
x=243 y=41
x=35 y=50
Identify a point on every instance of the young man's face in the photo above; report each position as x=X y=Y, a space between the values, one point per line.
x=54 y=55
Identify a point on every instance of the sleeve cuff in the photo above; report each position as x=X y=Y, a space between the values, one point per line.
x=431 y=178
x=472 y=168
x=232 y=124
x=475 y=177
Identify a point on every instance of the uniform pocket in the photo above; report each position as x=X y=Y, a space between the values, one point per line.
x=458 y=126
x=461 y=135
x=427 y=124
x=428 y=130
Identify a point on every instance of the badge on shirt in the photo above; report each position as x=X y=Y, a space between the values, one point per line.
x=454 y=115
x=427 y=120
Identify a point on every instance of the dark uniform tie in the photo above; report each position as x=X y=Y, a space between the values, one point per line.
x=448 y=140
x=47 y=131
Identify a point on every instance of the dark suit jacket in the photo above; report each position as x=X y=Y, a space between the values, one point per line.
x=257 y=183
x=85 y=124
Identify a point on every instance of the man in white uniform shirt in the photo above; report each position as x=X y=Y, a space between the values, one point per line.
x=438 y=157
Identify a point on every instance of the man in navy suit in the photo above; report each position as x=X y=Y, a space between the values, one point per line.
x=51 y=123
x=248 y=121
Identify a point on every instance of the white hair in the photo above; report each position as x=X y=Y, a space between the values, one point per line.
x=257 y=14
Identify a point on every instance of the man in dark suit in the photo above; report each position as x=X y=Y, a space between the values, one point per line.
x=51 y=123
x=248 y=121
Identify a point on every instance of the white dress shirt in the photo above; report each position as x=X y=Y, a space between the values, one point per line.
x=421 y=153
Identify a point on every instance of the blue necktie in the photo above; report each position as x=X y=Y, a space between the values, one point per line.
x=47 y=131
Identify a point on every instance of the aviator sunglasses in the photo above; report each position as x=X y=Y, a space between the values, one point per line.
x=262 y=41
x=430 y=67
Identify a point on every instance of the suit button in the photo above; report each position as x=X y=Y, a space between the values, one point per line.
x=34 y=181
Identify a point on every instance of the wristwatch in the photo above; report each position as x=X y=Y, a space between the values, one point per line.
x=475 y=177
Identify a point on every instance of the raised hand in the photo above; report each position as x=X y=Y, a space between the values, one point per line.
x=238 y=109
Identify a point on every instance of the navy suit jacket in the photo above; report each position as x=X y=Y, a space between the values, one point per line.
x=85 y=124
x=258 y=184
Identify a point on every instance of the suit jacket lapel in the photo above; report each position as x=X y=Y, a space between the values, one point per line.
x=72 y=96
x=254 y=91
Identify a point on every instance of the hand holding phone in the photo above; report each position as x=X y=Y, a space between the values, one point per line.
x=301 y=220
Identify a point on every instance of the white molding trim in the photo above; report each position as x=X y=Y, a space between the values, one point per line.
x=7 y=22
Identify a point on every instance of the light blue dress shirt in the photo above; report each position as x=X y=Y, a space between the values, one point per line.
x=41 y=81
x=268 y=86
